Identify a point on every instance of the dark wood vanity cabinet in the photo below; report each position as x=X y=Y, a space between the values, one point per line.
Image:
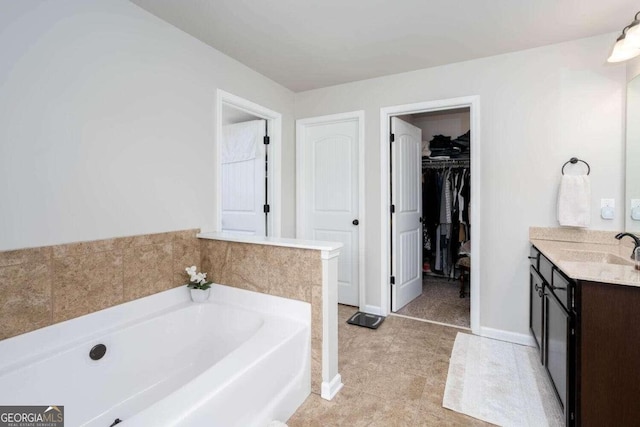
x=608 y=342
x=552 y=324
x=588 y=334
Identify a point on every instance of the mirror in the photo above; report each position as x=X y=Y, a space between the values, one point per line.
x=632 y=192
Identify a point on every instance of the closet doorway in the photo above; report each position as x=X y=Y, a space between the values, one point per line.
x=431 y=153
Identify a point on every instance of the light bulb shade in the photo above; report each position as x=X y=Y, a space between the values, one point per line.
x=632 y=38
x=623 y=51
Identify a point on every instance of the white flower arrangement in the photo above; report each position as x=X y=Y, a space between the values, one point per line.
x=197 y=280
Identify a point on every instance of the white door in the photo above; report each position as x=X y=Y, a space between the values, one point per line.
x=406 y=200
x=243 y=178
x=328 y=193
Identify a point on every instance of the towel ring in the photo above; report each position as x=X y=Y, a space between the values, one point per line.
x=575 y=160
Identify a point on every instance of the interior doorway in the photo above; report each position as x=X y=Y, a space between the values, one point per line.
x=444 y=226
x=248 y=184
x=244 y=166
x=430 y=164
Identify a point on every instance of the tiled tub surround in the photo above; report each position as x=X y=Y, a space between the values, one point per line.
x=47 y=285
x=297 y=269
x=561 y=245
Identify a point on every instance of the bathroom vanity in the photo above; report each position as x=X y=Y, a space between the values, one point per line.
x=585 y=318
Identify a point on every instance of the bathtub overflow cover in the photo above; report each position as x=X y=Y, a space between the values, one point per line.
x=98 y=352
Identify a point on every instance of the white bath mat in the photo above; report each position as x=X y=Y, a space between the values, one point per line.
x=501 y=383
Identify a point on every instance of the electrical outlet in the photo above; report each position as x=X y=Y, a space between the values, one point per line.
x=607 y=208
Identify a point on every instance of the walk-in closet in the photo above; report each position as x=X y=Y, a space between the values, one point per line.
x=446 y=225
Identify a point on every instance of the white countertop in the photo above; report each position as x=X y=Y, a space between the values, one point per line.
x=591 y=271
x=272 y=241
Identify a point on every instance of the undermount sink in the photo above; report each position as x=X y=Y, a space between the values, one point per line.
x=592 y=256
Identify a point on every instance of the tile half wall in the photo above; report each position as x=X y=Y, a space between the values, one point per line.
x=281 y=271
x=47 y=285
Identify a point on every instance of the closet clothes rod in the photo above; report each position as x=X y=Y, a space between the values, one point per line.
x=444 y=163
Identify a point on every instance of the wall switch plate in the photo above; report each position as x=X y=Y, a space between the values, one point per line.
x=635 y=209
x=607 y=208
x=608 y=203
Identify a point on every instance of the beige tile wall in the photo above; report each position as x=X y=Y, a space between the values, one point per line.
x=284 y=272
x=47 y=285
x=42 y=286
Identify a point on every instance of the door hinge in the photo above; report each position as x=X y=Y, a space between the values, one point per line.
x=266 y=140
x=573 y=301
x=393 y=209
x=392 y=279
x=266 y=209
x=573 y=331
x=393 y=137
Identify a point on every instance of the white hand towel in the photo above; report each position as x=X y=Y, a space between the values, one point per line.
x=574 y=201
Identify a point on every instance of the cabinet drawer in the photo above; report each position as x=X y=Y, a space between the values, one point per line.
x=564 y=289
x=546 y=269
x=534 y=256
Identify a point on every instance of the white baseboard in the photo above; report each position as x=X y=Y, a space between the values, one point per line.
x=371 y=309
x=330 y=389
x=513 y=337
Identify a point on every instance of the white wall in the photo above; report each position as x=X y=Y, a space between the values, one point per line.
x=451 y=124
x=107 y=123
x=538 y=108
x=633 y=68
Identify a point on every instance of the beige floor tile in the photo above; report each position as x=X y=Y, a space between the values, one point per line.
x=349 y=408
x=440 y=301
x=390 y=384
x=393 y=376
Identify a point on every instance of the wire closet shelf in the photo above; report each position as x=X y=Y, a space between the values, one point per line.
x=428 y=163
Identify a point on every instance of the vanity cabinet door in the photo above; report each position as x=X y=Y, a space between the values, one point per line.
x=557 y=340
x=536 y=289
x=609 y=354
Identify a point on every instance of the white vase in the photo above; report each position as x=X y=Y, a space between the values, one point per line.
x=199 y=295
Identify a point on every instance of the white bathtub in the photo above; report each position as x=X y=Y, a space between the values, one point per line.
x=242 y=359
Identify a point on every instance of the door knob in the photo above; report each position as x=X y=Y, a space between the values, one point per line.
x=355 y=222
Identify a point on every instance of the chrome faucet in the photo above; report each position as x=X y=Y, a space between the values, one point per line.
x=634 y=237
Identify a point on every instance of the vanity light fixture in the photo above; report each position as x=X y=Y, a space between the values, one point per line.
x=627 y=46
x=633 y=33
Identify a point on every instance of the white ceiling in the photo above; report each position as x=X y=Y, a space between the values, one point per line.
x=304 y=44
